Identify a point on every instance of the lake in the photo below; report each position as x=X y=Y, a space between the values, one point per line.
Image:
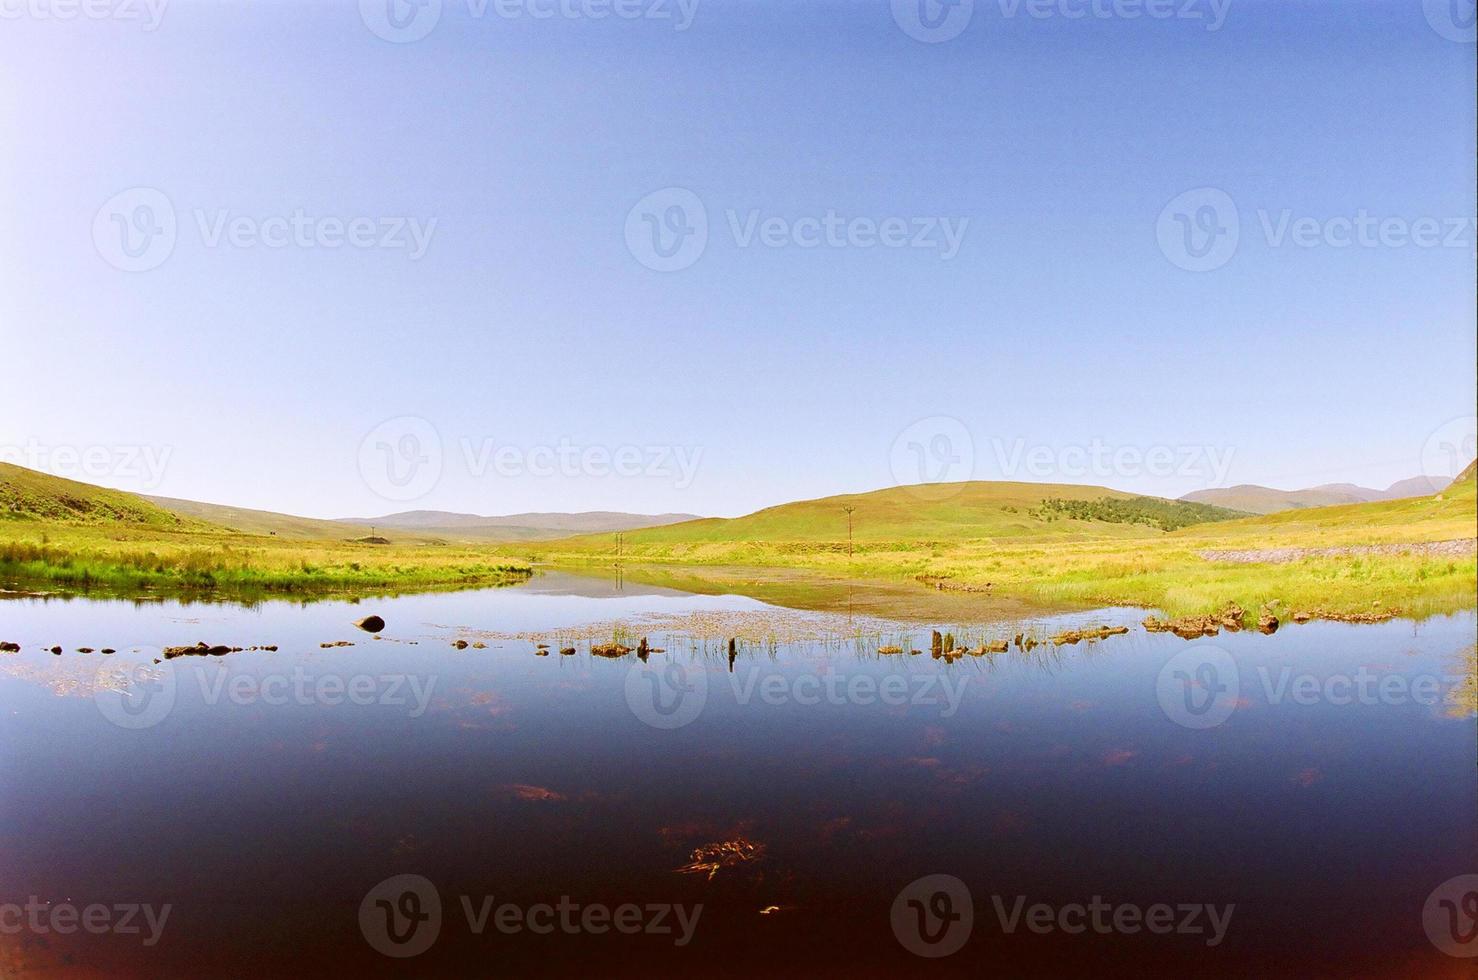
x=446 y=799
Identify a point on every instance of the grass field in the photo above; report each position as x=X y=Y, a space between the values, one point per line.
x=985 y=538
x=57 y=533
x=1049 y=545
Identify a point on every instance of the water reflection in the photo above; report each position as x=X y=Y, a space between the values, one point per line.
x=780 y=768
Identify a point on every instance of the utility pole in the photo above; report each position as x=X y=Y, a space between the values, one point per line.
x=849 y=508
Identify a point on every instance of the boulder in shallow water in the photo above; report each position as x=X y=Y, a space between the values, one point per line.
x=371 y=624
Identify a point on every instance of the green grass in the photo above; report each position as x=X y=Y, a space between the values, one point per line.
x=123 y=560
x=990 y=542
x=986 y=539
x=60 y=534
x=26 y=495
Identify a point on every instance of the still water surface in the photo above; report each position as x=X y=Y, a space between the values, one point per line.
x=1293 y=799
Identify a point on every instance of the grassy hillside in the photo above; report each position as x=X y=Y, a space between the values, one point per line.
x=997 y=547
x=931 y=512
x=26 y=495
x=412 y=527
x=249 y=521
x=515 y=527
x=60 y=533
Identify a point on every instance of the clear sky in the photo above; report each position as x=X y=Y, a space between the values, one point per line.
x=492 y=365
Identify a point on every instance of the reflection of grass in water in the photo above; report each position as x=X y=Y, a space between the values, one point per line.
x=704 y=636
x=1462 y=700
x=128 y=561
x=999 y=557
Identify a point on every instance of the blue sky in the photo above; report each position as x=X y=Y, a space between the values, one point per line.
x=1062 y=339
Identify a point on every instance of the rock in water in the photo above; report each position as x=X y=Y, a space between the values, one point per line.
x=371 y=624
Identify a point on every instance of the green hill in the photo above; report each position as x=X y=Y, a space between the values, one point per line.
x=26 y=495
x=248 y=521
x=413 y=527
x=932 y=512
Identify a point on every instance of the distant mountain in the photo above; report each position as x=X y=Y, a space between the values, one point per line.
x=248 y=521
x=514 y=527
x=1266 y=500
x=416 y=526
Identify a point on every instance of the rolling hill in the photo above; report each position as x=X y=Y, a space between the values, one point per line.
x=514 y=527
x=412 y=527
x=248 y=521
x=940 y=512
x=26 y=495
x=1254 y=499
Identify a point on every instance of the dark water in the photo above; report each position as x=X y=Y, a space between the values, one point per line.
x=1286 y=805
